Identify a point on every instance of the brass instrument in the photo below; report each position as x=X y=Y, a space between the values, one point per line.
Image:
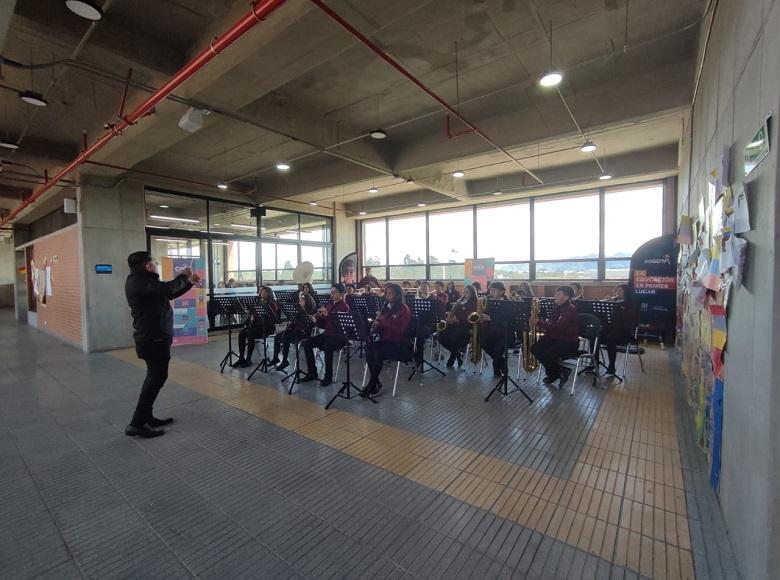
x=474 y=319
x=530 y=362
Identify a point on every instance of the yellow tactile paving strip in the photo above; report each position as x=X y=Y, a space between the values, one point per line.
x=624 y=502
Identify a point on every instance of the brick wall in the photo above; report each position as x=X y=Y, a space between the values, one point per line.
x=60 y=313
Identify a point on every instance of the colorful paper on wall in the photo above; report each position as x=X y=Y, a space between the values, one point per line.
x=741 y=212
x=190 y=318
x=685 y=232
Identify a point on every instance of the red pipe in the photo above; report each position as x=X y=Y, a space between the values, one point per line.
x=260 y=10
x=397 y=66
x=448 y=129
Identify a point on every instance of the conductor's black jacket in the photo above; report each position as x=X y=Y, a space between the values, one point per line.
x=149 y=301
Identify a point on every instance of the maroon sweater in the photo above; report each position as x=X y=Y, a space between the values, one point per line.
x=563 y=323
x=394 y=324
x=330 y=323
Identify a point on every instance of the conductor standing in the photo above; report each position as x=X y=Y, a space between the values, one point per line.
x=149 y=300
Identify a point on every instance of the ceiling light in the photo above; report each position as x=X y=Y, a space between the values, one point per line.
x=421 y=204
x=551 y=78
x=498 y=192
x=174 y=219
x=85 y=9
x=373 y=190
x=378 y=134
x=33 y=98
x=165 y=206
x=168 y=240
x=221 y=233
x=158 y=227
x=282 y=166
x=312 y=203
x=605 y=176
x=222 y=185
x=588 y=146
x=362 y=212
x=191 y=120
x=458 y=174
x=9 y=145
x=242 y=226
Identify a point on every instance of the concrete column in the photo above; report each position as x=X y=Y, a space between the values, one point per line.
x=111 y=218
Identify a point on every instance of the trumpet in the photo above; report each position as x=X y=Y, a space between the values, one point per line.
x=530 y=362
x=474 y=319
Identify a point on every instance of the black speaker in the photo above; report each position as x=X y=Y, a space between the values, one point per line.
x=257 y=212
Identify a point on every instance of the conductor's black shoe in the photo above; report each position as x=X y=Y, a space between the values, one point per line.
x=368 y=390
x=239 y=363
x=155 y=422
x=326 y=381
x=549 y=380
x=247 y=363
x=274 y=361
x=460 y=361
x=144 y=430
x=611 y=370
x=451 y=361
x=307 y=378
x=282 y=365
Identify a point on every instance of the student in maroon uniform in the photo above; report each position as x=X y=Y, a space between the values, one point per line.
x=561 y=336
x=392 y=324
x=330 y=340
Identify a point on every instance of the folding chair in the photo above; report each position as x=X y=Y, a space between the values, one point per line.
x=590 y=326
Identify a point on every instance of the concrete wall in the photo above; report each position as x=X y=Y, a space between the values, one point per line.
x=740 y=86
x=345 y=240
x=112 y=226
x=7 y=270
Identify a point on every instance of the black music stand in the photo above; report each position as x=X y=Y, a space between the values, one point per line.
x=321 y=299
x=514 y=316
x=423 y=312
x=228 y=306
x=606 y=311
x=367 y=307
x=291 y=310
x=286 y=295
x=261 y=311
x=351 y=329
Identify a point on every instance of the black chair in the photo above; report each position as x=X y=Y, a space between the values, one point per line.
x=590 y=327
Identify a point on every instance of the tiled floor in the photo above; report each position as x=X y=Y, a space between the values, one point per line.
x=436 y=483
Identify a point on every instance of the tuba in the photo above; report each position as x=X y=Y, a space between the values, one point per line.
x=474 y=319
x=530 y=363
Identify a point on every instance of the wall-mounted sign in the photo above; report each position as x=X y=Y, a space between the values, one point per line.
x=104 y=269
x=757 y=148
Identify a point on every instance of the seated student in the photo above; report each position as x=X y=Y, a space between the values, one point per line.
x=369 y=281
x=455 y=336
x=305 y=288
x=406 y=285
x=524 y=291
x=492 y=334
x=561 y=336
x=425 y=327
x=330 y=340
x=441 y=295
x=452 y=293
x=477 y=286
x=619 y=294
x=297 y=329
x=621 y=329
x=577 y=287
x=392 y=325
x=349 y=297
x=256 y=328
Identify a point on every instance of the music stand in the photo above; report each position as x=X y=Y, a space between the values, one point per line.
x=351 y=330
x=228 y=306
x=291 y=310
x=513 y=315
x=261 y=311
x=367 y=307
x=285 y=295
x=423 y=312
x=607 y=313
x=321 y=299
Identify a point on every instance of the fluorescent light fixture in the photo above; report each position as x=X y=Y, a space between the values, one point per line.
x=165 y=206
x=373 y=190
x=362 y=212
x=551 y=78
x=605 y=176
x=158 y=227
x=222 y=233
x=222 y=185
x=33 y=98
x=378 y=134
x=588 y=146
x=458 y=174
x=282 y=166
x=85 y=9
x=421 y=204
x=312 y=203
x=497 y=192
x=174 y=219
x=167 y=240
x=242 y=226
x=9 y=145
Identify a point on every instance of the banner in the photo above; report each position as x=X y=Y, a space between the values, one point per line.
x=479 y=270
x=190 y=318
x=653 y=281
x=348 y=269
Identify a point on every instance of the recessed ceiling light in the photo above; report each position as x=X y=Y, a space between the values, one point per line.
x=174 y=219
x=165 y=206
x=605 y=177
x=362 y=212
x=242 y=226
x=458 y=174
x=551 y=78
x=373 y=190
x=421 y=204
x=221 y=233
x=378 y=134
x=312 y=203
x=498 y=192
x=85 y=9
x=282 y=166
x=9 y=145
x=588 y=146
x=222 y=185
x=33 y=98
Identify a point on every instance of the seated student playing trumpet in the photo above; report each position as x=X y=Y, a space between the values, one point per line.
x=392 y=326
x=561 y=336
x=297 y=329
x=455 y=336
x=492 y=334
x=256 y=328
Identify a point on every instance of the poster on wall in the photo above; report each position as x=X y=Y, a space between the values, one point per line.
x=653 y=281
x=479 y=270
x=190 y=317
x=348 y=269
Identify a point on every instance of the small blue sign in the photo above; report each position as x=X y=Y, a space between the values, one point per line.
x=104 y=269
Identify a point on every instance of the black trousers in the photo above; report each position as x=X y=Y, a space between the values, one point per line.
x=454 y=338
x=327 y=343
x=493 y=340
x=157 y=355
x=248 y=336
x=549 y=350
x=378 y=352
x=611 y=341
x=423 y=332
x=283 y=340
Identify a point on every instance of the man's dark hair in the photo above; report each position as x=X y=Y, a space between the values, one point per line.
x=340 y=287
x=576 y=285
x=498 y=286
x=138 y=261
x=477 y=285
x=568 y=290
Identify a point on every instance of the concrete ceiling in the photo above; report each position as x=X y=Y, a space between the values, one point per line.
x=298 y=87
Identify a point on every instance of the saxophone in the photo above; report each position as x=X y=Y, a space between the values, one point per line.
x=530 y=363
x=474 y=319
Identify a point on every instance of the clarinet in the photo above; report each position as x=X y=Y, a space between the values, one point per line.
x=373 y=335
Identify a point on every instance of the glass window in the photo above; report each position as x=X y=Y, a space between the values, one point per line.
x=280 y=224
x=286 y=261
x=231 y=219
x=315 y=228
x=174 y=212
x=503 y=232
x=631 y=217
x=375 y=243
x=617 y=269
x=567 y=228
x=512 y=271
x=567 y=270
x=448 y=272
x=319 y=256
x=407 y=273
x=450 y=237
x=268 y=257
x=175 y=247
x=406 y=240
